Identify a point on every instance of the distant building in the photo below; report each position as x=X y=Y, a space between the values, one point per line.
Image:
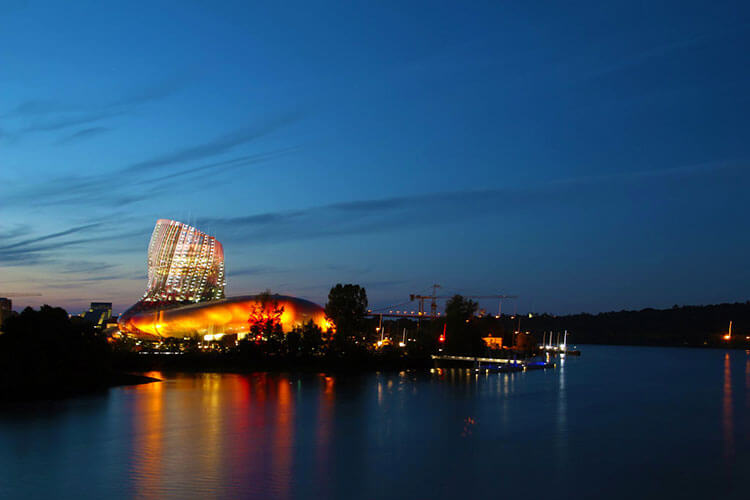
x=110 y=326
x=493 y=342
x=98 y=313
x=105 y=307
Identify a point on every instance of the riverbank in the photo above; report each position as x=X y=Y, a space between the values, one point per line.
x=58 y=386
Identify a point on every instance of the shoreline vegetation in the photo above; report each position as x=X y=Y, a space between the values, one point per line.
x=47 y=354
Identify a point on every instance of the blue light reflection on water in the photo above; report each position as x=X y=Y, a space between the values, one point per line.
x=619 y=422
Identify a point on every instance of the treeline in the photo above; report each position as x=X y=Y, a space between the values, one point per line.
x=46 y=353
x=677 y=326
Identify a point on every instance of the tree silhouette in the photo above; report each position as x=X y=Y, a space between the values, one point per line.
x=264 y=319
x=45 y=351
x=312 y=338
x=346 y=307
x=462 y=334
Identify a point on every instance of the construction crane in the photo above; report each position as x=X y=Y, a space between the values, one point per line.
x=434 y=297
x=498 y=297
x=421 y=298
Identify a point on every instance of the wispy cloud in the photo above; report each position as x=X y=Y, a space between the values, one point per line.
x=255 y=271
x=31 y=241
x=84 y=266
x=83 y=134
x=130 y=188
x=90 y=277
x=222 y=166
x=67 y=121
x=23 y=250
x=39 y=115
x=215 y=147
x=17 y=231
x=420 y=210
x=153 y=177
x=36 y=108
x=357 y=217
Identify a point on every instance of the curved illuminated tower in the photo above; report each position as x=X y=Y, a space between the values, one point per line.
x=184 y=265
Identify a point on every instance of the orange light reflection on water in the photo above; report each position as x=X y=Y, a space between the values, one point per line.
x=224 y=434
x=283 y=440
x=211 y=426
x=148 y=450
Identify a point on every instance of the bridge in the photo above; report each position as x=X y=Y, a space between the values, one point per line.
x=401 y=314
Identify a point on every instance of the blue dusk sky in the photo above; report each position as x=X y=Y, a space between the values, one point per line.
x=587 y=156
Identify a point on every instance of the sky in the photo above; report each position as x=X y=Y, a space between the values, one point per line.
x=584 y=155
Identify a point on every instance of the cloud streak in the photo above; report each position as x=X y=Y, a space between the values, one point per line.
x=84 y=266
x=214 y=147
x=31 y=241
x=51 y=116
x=67 y=121
x=151 y=178
x=83 y=134
x=406 y=212
x=39 y=249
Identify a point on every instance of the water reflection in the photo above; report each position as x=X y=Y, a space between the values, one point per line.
x=596 y=421
x=283 y=438
x=239 y=457
x=147 y=457
x=324 y=431
x=211 y=427
x=562 y=414
x=728 y=418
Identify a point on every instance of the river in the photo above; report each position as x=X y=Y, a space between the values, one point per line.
x=618 y=422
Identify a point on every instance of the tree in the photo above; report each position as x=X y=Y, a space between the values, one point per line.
x=293 y=341
x=462 y=334
x=265 y=320
x=45 y=351
x=346 y=307
x=305 y=339
x=312 y=338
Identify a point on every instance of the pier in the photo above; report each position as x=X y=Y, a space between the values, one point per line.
x=491 y=364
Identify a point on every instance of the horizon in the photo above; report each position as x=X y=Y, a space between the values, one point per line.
x=441 y=306
x=587 y=158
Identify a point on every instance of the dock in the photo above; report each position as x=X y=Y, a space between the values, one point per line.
x=493 y=365
x=559 y=350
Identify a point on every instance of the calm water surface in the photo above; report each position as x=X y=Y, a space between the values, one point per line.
x=619 y=422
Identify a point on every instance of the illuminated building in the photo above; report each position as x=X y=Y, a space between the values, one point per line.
x=217 y=317
x=185 y=292
x=493 y=342
x=184 y=264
